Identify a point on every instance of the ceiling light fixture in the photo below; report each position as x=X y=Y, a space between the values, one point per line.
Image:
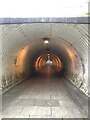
x=46 y=40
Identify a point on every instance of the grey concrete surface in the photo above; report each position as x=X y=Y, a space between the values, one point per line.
x=74 y=20
x=42 y=97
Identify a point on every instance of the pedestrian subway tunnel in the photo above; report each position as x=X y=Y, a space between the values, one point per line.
x=29 y=47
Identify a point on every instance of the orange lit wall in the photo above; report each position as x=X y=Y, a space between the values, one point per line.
x=20 y=61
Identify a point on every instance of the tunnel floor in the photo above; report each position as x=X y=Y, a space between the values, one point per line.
x=42 y=97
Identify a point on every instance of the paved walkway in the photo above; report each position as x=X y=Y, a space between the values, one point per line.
x=41 y=97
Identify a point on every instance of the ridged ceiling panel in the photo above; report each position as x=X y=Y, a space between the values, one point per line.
x=15 y=36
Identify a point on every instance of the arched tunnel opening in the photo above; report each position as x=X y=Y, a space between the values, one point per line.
x=48 y=64
x=67 y=46
x=58 y=59
x=32 y=51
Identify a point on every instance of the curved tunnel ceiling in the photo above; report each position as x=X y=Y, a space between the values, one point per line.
x=66 y=41
x=17 y=36
x=77 y=35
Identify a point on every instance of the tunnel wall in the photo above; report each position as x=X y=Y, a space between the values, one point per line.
x=10 y=73
x=13 y=70
x=17 y=36
x=79 y=73
x=0 y=60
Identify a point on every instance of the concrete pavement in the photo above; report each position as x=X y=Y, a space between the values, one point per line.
x=41 y=97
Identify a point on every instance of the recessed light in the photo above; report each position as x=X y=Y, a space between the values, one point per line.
x=46 y=41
